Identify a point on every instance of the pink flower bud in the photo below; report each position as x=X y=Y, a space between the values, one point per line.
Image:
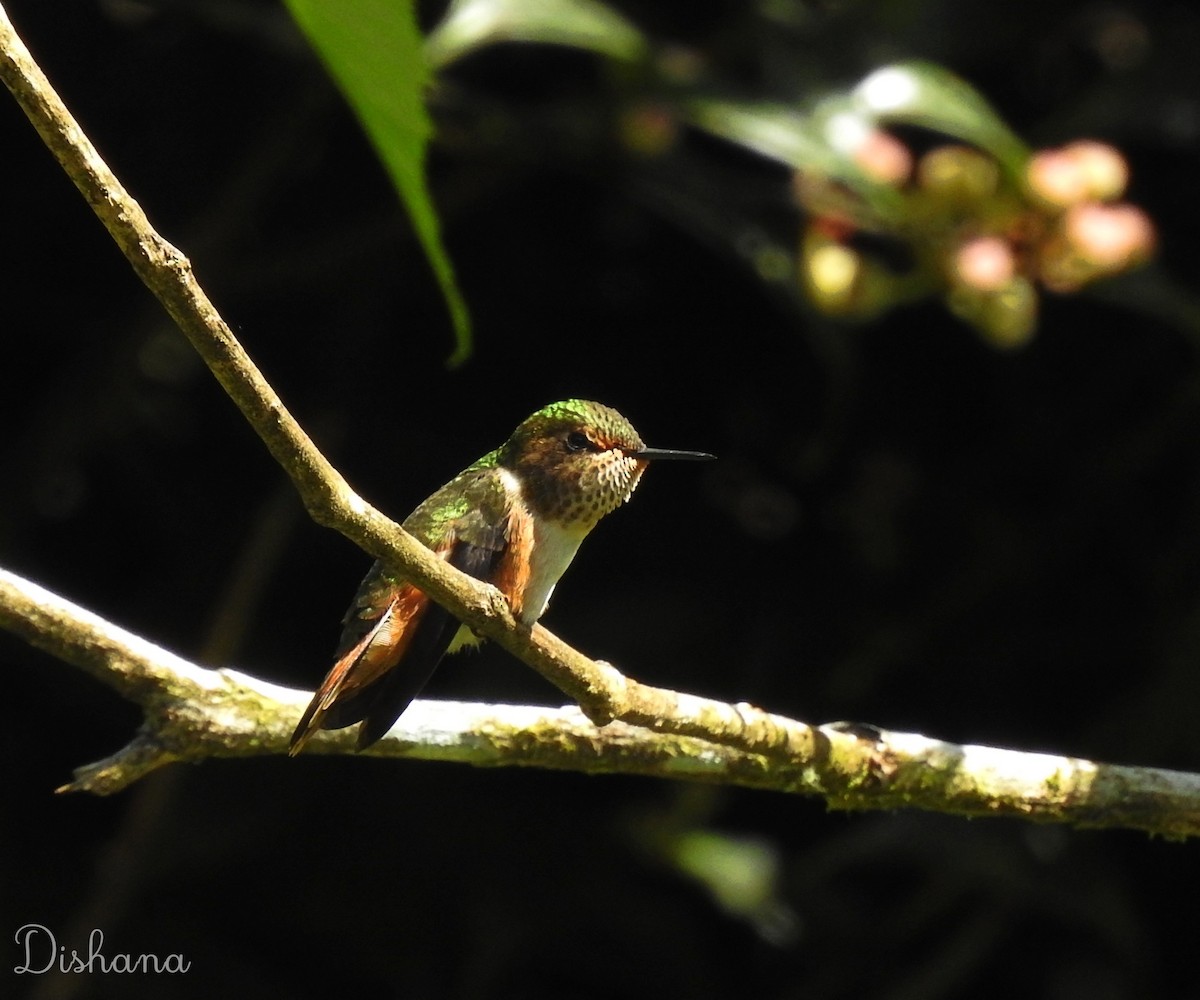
x=1056 y=178
x=985 y=263
x=1111 y=237
x=884 y=158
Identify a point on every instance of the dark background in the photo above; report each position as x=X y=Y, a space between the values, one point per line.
x=906 y=527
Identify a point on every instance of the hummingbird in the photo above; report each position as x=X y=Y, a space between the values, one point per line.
x=514 y=519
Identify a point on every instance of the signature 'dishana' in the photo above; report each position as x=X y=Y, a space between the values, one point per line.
x=42 y=953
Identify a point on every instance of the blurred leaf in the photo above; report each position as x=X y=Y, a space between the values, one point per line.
x=927 y=95
x=776 y=131
x=743 y=874
x=374 y=52
x=807 y=143
x=583 y=24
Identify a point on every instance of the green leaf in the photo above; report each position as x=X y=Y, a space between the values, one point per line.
x=925 y=94
x=805 y=142
x=582 y=24
x=776 y=131
x=375 y=54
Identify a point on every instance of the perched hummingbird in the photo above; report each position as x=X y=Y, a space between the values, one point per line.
x=515 y=519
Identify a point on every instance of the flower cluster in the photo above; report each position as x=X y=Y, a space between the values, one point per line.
x=982 y=236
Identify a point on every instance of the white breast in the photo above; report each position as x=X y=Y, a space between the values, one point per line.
x=554 y=546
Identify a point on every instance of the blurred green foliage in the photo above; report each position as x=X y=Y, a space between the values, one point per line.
x=376 y=54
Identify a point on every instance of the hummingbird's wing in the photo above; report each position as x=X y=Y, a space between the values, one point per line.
x=393 y=635
x=383 y=703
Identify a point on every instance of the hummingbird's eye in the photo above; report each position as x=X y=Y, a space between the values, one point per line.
x=578 y=441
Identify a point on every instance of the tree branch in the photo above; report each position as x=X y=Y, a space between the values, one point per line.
x=192 y=713
x=600 y=690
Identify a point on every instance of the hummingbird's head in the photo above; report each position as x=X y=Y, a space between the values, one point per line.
x=578 y=460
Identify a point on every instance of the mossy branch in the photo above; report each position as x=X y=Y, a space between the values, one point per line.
x=193 y=713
